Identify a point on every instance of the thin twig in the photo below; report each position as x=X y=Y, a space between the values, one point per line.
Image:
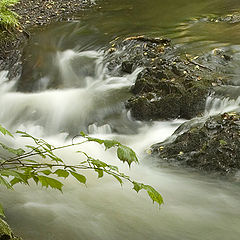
x=197 y=64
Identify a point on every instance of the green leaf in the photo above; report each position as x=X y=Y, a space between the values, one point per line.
x=61 y=173
x=114 y=168
x=5 y=183
x=21 y=177
x=153 y=194
x=36 y=180
x=100 y=172
x=49 y=146
x=83 y=134
x=118 y=178
x=1 y=211
x=4 y=131
x=37 y=150
x=107 y=143
x=18 y=151
x=46 y=172
x=126 y=154
x=137 y=186
x=98 y=163
x=24 y=134
x=110 y=143
x=55 y=158
x=15 y=181
x=50 y=182
x=79 y=177
x=97 y=140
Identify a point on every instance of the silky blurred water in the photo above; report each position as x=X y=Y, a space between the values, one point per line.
x=65 y=88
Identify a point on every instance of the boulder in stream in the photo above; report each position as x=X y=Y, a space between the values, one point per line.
x=170 y=85
x=211 y=145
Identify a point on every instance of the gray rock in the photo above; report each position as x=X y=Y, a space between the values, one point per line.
x=211 y=145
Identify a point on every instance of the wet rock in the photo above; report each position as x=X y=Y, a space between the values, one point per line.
x=211 y=145
x=169 y=86
x=229 y=18
x=127 y=67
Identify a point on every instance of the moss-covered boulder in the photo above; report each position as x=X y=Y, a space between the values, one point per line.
x=6 y=232
x=170 y=85
x=210 y=145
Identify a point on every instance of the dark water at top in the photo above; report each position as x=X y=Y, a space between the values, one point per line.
x=181 y=20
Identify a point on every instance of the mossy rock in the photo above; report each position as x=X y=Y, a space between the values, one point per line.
x=169 y=86
x=211 y=145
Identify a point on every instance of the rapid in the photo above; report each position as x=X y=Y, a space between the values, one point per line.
x=66 y=88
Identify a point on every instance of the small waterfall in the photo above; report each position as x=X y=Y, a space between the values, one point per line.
x=69 y=109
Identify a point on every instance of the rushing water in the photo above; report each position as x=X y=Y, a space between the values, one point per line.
x=65 y=88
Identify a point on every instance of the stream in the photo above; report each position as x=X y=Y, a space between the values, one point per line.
x=66 y=88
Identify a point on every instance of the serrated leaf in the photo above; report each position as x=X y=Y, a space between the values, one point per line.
x=126 y=154
x=110 y=143
x=153 y=194
x=1 y=211
x=107 y=143
x=137 y=186
x=50 y=182
x=79 y=177
x=61 y=173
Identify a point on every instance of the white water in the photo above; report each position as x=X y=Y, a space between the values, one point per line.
x=196 y=207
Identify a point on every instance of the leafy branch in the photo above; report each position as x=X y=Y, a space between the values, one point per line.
x=49 y=169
